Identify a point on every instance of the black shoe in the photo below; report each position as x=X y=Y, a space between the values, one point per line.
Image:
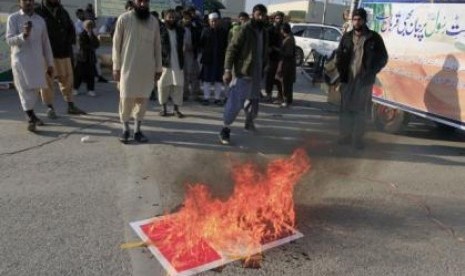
x=73 y=110
x=179 y=114
x=219 y=102
x=225 y=136
x=38 y=122
x=205 y=102
x=163 y=113
x=124 y=138
x=31 y=126
x=102 y=79
x=140 y=138
x=250 y=126
x=51 y=114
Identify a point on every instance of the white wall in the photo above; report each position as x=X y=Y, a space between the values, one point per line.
x=9 y=6
x=233 y=7
x=250 y=3
x=278 y=5
x=296 y=5
x=287 y=5
x=314 y=9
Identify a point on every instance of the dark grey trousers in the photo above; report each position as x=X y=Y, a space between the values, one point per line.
x=239 y=98
x=352 y=124
x=356 y=98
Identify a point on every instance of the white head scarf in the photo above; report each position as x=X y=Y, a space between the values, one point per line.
x=213 y=15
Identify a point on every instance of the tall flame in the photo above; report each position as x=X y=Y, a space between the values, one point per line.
x=260 y=209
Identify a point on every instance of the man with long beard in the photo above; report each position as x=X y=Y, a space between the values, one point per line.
x=62 y=38
x=360 y=56
x=137 y=65
x=171 y=83
x=247 y=54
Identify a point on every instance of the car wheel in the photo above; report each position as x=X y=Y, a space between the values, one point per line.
x=390 y=120
x=299 y=56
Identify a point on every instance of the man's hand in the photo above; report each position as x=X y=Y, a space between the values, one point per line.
x=27 y=29
x=116 y=75
x=50 y=71
x=157 y=76
x=227 y=77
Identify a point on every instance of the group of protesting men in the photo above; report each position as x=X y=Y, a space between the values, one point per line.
x=148 y=51
x=138 y=34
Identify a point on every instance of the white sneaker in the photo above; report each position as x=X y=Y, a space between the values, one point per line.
x=75 y=92
x=91 y=93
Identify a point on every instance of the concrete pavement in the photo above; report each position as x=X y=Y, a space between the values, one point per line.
x=396 y=208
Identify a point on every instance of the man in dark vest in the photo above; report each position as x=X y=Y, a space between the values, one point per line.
x=171 y=83
x=62 y=37
x=275 y=44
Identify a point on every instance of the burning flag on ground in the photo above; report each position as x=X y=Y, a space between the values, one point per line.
x=207 y=232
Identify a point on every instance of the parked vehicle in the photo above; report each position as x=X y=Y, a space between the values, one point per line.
x=425 y=75
x=314 y=38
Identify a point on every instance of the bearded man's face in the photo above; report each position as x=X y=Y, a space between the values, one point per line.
x=141 y=7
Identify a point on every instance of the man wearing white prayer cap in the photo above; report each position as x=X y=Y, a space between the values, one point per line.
x=213 y=42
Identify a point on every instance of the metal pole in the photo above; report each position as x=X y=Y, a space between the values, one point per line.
x=324 y=12
x=353 y=6
x=96 y=8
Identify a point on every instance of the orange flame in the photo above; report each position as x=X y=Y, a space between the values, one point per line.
x=260 y=210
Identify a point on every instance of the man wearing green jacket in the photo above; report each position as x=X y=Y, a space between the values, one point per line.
x=243 y=18
x=247 y=55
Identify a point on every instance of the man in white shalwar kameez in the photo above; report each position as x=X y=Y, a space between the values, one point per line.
x=136 y=64
x=31 y=57
x=171 y=83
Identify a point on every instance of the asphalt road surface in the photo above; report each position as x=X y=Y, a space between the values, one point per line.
x=396 y=208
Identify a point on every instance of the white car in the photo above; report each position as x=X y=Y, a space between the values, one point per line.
x=313 y=37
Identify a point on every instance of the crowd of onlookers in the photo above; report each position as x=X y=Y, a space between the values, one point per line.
x=194 y=57
x=183 y=56
x=209 y=36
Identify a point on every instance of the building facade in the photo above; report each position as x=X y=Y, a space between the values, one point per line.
x=233 y=8
x=307 y=10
